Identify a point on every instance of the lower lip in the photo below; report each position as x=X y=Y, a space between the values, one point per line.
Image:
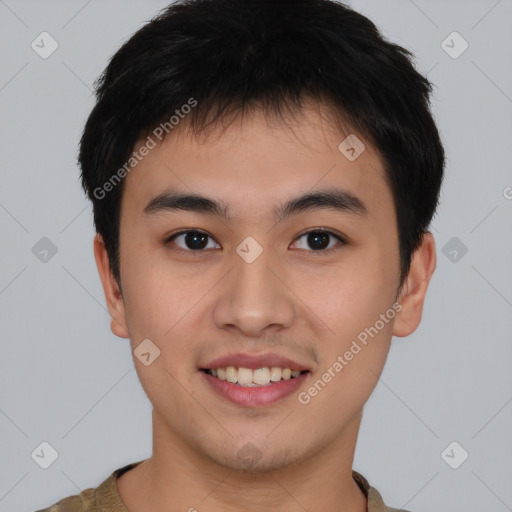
x=255 y=396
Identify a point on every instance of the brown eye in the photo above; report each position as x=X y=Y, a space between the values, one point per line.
x=320 y=240
x=191 y=240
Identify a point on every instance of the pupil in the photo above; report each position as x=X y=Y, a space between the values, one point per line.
x=193 y=238
x=318 y=239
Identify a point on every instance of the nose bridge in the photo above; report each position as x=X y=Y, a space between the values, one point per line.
x=253 y=298
x=253 y=278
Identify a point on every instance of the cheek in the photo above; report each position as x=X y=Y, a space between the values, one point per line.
x=162 y=305
x=160 y=308
x=350 y=296
x=151 y=302
x=355 y=301
x=354 y=350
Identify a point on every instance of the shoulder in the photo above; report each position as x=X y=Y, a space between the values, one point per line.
x=83 y=502
x=94 y=499
x=375 y=501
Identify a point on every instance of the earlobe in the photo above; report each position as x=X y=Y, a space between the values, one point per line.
x=412 y=295
x=113 y=296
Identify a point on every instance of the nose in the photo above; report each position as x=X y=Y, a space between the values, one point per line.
x=255 y=298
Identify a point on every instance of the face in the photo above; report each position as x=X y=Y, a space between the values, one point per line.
x=251 y=279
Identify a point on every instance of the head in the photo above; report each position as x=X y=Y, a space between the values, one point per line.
x=253 y=105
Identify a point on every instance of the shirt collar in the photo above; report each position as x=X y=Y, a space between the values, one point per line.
x=107 y=494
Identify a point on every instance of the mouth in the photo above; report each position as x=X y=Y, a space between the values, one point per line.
x=258 y=377
x=259 y=387
x=250 y=380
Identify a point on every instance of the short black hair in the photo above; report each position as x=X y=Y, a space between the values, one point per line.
x=231 y=56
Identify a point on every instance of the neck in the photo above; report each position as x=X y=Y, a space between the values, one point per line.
x=180 y=475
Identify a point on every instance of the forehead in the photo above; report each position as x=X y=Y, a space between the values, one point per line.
x=255 y=163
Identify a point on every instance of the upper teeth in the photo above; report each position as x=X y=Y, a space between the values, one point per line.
x=258 y=377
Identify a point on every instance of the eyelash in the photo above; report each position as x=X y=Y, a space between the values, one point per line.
x=314 y=230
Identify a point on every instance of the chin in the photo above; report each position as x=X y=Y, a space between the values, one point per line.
x=251 y=460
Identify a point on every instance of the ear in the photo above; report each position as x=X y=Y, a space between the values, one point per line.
x=412 y=294
x=115 y=301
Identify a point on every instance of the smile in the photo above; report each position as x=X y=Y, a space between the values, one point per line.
x=248 y=377
x=255 y=388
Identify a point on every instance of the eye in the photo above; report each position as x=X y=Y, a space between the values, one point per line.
x=193 y=240
x=320 y=240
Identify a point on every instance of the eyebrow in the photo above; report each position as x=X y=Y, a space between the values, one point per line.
x=335 y=199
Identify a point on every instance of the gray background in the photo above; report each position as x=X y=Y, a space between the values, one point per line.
x=65 y=379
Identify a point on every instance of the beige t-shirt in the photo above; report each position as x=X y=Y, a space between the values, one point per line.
x=105 y=497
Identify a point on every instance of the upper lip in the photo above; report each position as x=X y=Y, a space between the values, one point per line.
x=254 y=361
